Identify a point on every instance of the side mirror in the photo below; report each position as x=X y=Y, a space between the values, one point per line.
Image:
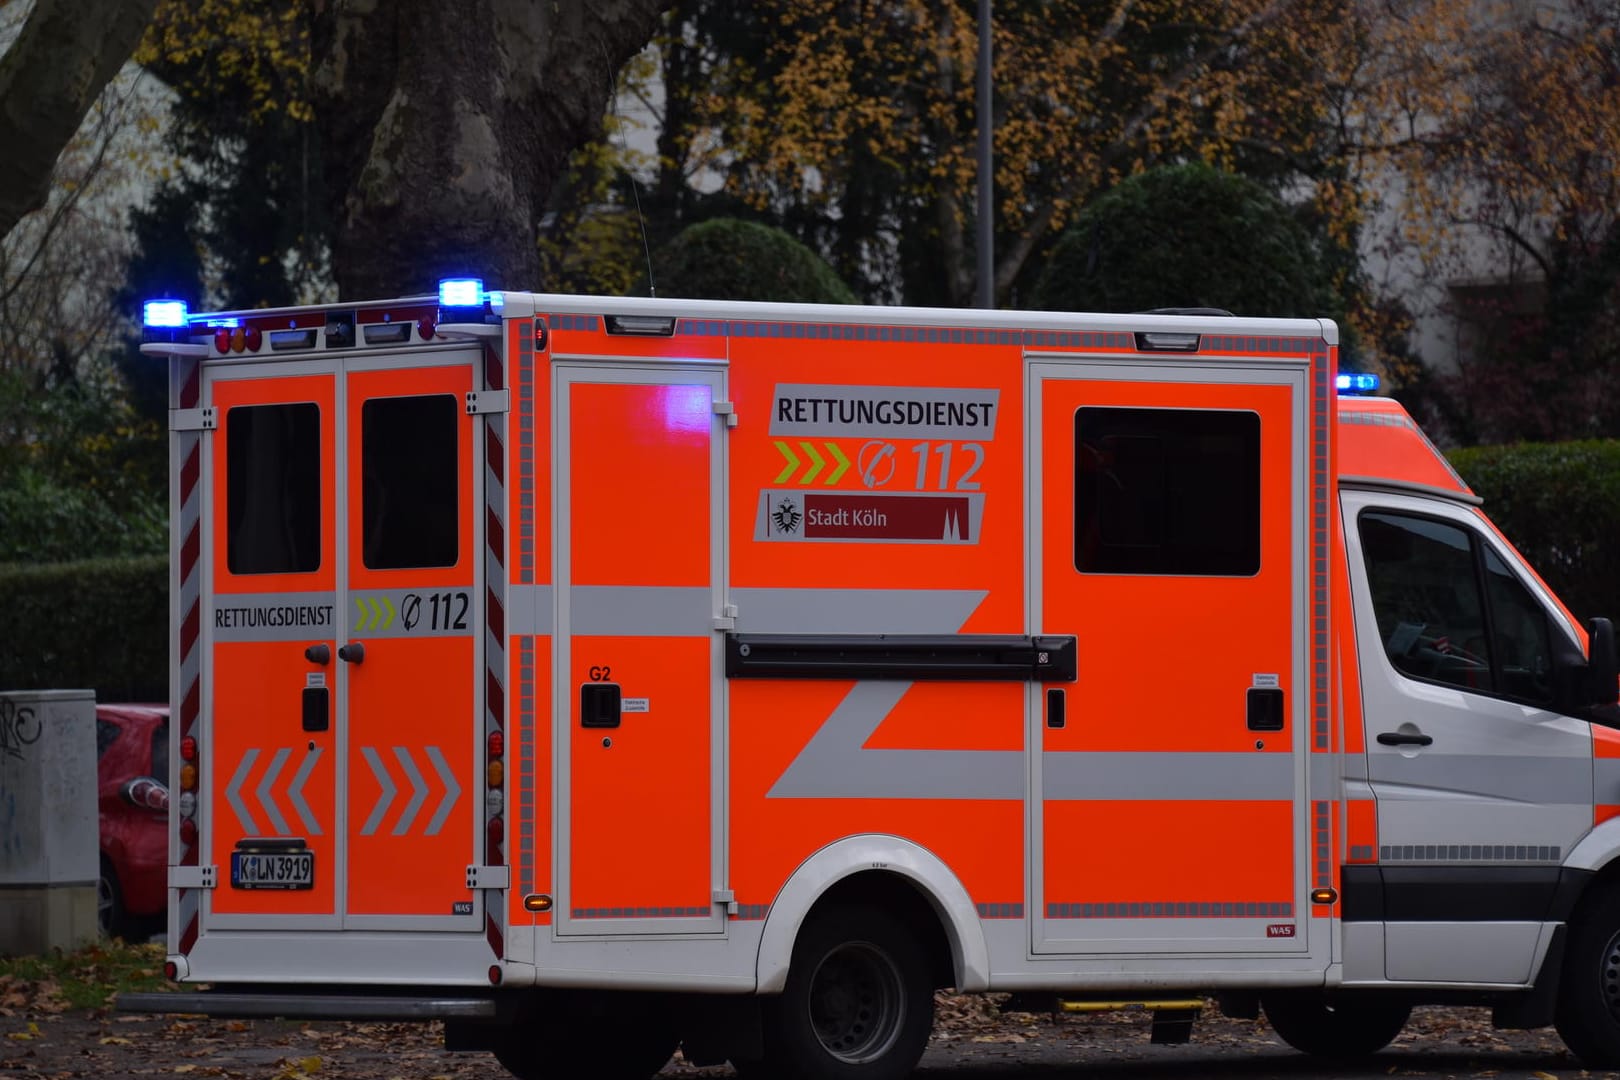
x=1602 y=664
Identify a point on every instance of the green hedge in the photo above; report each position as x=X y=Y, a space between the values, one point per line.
x=1560 y=505
x=102 y=624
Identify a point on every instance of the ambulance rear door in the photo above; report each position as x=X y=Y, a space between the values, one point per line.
x=340 y=745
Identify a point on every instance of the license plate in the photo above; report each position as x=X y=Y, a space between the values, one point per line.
x=272 y=869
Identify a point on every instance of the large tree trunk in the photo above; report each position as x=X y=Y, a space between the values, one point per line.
x=49 y=78
x=443 y=127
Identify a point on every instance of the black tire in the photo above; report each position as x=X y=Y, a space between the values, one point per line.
x=1588 y=1011
x=110 y=913
x=858 y=1004
x=1346 y=1025
x=596 y=1038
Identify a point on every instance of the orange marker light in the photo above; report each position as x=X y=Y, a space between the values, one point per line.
x=497 y=774
x=188 y=778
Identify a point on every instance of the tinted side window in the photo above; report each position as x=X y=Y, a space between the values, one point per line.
x=1520 y=637
x=273 y=489
x=1438 y=624
x=409 y=449
x=1426 y=596
x=1167 y=491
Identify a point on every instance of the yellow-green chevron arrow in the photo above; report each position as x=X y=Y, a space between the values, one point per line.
x=790 y=457
x=843 y=464
x=360 y=602
x=810 y=449
x=389 y=618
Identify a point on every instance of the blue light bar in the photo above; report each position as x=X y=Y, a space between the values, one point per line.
x=461 y=292
x=1357 y=383
x=164 y=314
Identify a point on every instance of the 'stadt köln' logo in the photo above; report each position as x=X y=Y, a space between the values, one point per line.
x=786 y=516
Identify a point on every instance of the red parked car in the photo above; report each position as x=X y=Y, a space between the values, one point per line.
x=132 y=777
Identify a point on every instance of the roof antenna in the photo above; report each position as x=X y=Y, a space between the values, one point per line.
x=635 y=188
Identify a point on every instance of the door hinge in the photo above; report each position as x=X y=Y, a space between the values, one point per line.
x=489 y=877
x=727 y=410
x=488 y=401
x=728 y=898
x=193 y=877
x=202 y=419
x=727 y=619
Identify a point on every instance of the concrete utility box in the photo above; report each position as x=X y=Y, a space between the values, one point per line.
x=48 y=820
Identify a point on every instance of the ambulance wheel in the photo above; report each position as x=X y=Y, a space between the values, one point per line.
x=1588 y=1012
x=858 y=1004
x=604 y=1040
x=1335 y=1026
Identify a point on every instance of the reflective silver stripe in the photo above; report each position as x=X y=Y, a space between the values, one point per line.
x=632 y=611
x=1158 y=775
x=1606 y=778
x=272 y=616
x=864 y=611
x=233 y=793
x=1543 y=781
x=834 y=765
x=530 y=613
x=1470 y=853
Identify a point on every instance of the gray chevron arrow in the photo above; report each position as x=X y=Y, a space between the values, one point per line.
x=267 y=798
x=295 y=793
x=419 y=791
x=388 y=790
x=452 y=790
x=233 y=793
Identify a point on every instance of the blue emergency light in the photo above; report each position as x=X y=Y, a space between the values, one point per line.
x=461 y=293
x=164 y=314
x=1357 y=383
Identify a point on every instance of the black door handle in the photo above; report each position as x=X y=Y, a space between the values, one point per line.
x=352 y=653
x=318 y=653
x=1402 y=738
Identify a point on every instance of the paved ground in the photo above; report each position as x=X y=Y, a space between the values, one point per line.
x=971 y=1043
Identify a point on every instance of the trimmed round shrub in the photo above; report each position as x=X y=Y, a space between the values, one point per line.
x=1186 y=236
x=731 y=259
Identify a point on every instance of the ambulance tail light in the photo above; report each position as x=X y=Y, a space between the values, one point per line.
x=188 y=777
x=494 y=834
x=641 y=325
x=497 y=744
x=188 y=832
x=1163 y=341
x=496 y=774
x=188 y=749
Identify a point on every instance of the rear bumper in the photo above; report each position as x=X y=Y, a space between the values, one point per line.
x=249 y=1004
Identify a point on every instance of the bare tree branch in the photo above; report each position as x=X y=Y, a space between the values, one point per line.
x=66 y=53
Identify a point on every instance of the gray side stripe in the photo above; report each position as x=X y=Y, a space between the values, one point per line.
x=1156 y=775
x=1606 y=777
x=610 y=611
x=834 y=766
x=530 y=612
x=855 y=611
x=1559 y=781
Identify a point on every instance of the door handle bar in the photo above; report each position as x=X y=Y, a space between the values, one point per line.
x=1403 y=738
